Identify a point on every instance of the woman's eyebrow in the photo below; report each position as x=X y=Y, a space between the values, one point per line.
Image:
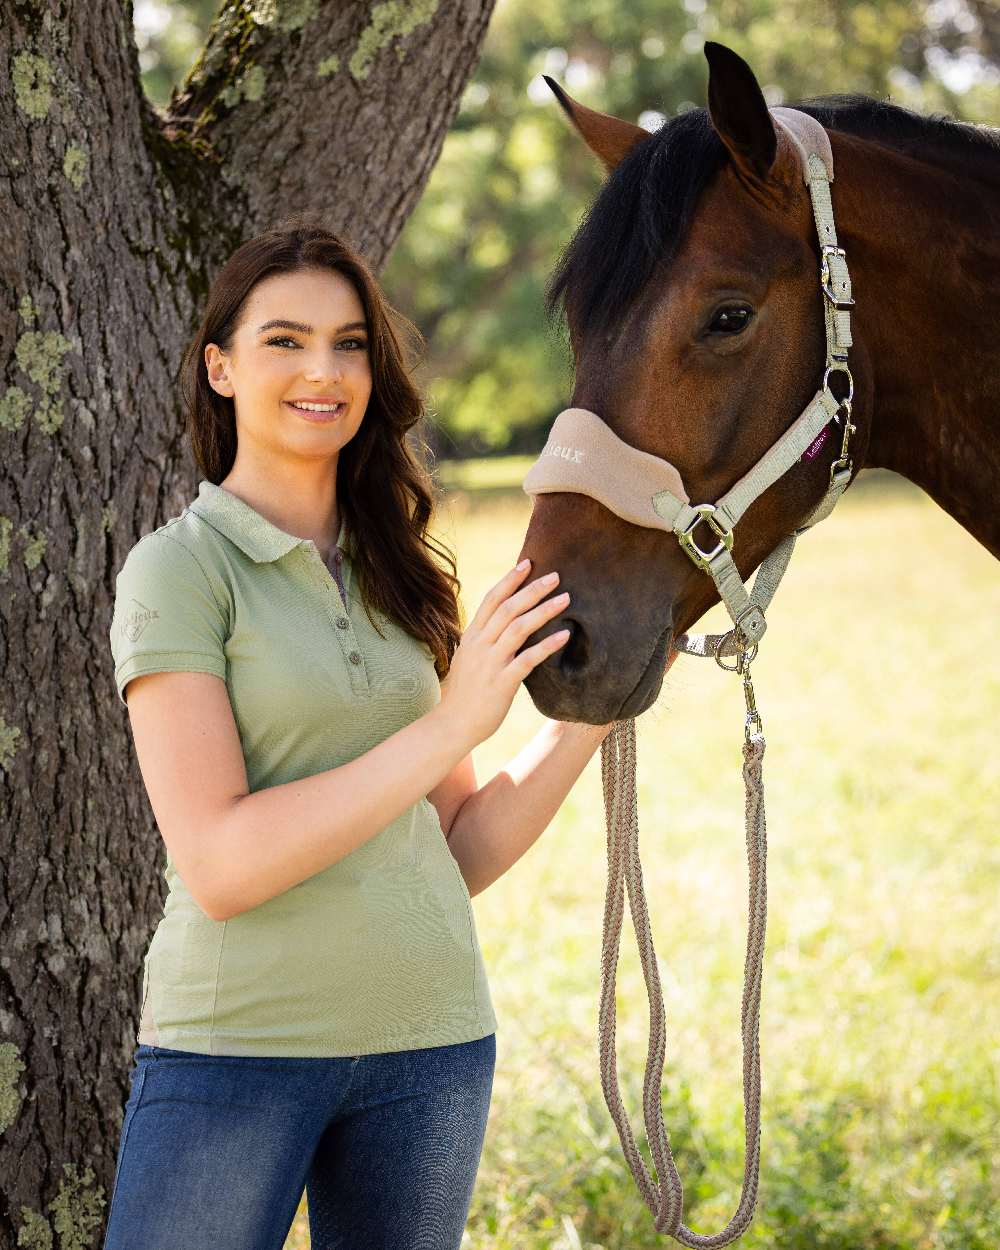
x=306 y=329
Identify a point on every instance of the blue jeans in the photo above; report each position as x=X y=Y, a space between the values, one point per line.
x=216 y=1149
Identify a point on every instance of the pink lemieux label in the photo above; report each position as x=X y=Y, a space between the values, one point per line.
x=813 y=450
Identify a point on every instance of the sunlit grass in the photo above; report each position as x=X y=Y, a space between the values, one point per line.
x=879 y=687
x=482 y=476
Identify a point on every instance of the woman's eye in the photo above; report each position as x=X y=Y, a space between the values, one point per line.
x=731 y=320
x=276 y=342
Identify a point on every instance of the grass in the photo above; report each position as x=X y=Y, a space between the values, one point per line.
x=879 y=690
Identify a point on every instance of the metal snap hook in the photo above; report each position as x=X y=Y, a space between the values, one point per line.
x=839 y=367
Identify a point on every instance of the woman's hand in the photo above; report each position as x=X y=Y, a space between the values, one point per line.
x=485 y=672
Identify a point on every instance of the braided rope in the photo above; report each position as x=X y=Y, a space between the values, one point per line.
x=665 y=1197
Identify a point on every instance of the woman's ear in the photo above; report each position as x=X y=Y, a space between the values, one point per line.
x=215 y=367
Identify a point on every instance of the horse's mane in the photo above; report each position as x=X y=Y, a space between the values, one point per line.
x=641 y=215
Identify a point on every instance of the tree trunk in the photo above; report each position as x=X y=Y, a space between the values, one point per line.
x=115 y=218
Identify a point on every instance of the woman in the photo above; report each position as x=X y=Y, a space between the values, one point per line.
x=315 y=1013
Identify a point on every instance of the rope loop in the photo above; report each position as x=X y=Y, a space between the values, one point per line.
x=665 y=1195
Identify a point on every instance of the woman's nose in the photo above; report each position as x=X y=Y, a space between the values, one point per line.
x=333 y=369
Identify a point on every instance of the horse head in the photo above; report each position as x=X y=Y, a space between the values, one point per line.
x=691 y=299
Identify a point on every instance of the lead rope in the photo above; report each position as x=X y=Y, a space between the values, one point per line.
x=665 y=1197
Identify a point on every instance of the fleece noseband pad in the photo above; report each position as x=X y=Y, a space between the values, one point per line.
x=584 y=455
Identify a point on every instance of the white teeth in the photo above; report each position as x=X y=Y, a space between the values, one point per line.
x=318 y=407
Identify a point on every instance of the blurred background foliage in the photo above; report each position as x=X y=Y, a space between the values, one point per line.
x=513 y=179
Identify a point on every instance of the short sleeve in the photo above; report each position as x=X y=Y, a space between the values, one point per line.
x=166 y=618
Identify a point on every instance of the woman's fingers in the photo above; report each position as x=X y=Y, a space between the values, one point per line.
x=487 y=668
x=516 y=603
x=493 y=597
x=526 y=660
x=527 y=622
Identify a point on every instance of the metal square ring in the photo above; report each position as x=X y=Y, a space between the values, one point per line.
x=706 y=512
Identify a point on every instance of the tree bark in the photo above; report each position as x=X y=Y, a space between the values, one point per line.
x=115 y=217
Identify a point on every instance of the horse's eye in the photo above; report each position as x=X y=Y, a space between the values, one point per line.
x=731 y=320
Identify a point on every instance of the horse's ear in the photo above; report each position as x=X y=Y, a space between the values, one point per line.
x=608 y=137
x=739 y=111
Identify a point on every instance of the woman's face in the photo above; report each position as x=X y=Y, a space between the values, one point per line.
x=322 y=358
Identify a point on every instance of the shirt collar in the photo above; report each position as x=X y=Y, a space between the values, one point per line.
x=254 y=534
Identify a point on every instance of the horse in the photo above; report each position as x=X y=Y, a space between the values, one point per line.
x=690 y=296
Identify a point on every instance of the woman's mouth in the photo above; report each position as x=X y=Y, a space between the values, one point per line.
x=318 y=412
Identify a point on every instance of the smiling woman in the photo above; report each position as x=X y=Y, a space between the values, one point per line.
x=314 y=997
x=288 y=728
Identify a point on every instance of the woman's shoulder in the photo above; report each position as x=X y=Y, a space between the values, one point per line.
x=170 y=611
x=177 y=564
x=182 y=542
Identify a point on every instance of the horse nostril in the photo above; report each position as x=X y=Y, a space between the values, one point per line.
x=573 y=654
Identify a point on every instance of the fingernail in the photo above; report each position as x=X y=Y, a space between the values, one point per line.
x=523 y=565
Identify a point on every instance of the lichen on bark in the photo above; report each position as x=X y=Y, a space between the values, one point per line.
x=35 y=1232
x=75 y=165
x=249 y=86
x=387 y=20
x=9 y=735
x=31 y=77
x=40 y=353
x=14 y=407
x=287 y=15
x=77 y=1208
x=34 y=548
x=11 y=1067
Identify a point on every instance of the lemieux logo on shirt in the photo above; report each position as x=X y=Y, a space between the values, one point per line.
x=136 y=619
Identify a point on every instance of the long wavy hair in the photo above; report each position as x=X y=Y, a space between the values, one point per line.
x=384 y=486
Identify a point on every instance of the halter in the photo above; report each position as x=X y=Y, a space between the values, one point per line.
x=584 y=455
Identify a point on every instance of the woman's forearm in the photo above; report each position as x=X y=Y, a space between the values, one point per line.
x=268 y=841
x=496 y=825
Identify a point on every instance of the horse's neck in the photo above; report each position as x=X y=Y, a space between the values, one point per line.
x=923 y=243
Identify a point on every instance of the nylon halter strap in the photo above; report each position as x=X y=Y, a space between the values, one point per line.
x=583 y=454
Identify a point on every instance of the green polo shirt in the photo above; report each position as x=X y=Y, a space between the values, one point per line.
x=378 y=952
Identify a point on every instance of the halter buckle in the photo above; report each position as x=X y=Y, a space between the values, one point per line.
x=826 y=277
x=706 y=512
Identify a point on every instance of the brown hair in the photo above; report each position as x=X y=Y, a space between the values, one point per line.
x=384 y=490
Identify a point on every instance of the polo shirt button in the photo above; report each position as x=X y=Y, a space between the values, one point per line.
x=355 y=657
x=342 y=622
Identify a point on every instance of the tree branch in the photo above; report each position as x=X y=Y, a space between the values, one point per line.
x=339 y=106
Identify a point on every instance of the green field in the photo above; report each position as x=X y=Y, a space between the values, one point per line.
x=879 y=686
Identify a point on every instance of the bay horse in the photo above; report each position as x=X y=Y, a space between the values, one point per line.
x=690 y=296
